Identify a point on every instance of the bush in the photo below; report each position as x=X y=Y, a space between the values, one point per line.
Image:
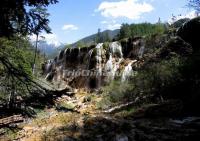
x=115 y=93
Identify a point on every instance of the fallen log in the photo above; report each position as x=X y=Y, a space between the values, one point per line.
x=127 y=105
x=11 y=119
x=119 y=108
x=64 y=91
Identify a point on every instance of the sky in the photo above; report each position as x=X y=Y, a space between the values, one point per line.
x=71 y=20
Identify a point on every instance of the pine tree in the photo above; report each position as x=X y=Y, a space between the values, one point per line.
x=195 y=4
x=16 y=18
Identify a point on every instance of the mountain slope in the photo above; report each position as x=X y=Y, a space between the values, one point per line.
x=90 y=39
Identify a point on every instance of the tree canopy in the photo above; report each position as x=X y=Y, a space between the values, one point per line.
x=24 y=17
x=195 y=4
x=142 y=29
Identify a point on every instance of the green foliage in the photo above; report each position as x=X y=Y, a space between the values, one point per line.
x=114 y=93
x=16 y=57
x=23 y=17
x=143 y=29
x=156 y=76
x=17 y=52
x=125 y=113
x=102 y=37
x=105 y=45
x=68 y=46
x=81 y=44
x=125 y=31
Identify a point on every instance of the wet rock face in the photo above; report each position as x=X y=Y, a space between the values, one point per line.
x=133 y=47
x=180 y=22
x=189 y=32
x=102 y=60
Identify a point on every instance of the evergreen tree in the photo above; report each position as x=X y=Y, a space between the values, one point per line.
x=99 y=36
x=125 y=31
x=106 y=37
x=195 y=4
x=15 y=17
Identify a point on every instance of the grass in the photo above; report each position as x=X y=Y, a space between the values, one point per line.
x=125 y=113
x=115 y=93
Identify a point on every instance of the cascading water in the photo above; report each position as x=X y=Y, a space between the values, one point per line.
x=65 y=56
x=89 y=58
x=99 y=57
x=48 y=66
x=116 y=67
x=109 y=67
x=109 y=64
x=141 y=52
x=99 y=63
x=79 y=50
x=116 y=49
x=112 y=64
x=95 y=60
x=128 y=70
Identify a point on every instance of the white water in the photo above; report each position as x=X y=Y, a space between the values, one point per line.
x=99 y=57
x=79 y=50
x=109 y=64
x=112 y=65
x=116 y=49
x=128 y=70
x=48 y=66
x=116 y=67
x=99 y=63
x=141 y=52
x=66 y=51
x=89 y=58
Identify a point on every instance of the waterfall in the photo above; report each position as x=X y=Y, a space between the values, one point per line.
x=112 y=65
x=89 y=58
x=99 y=63
x=116 y=67
x=109 y=64
x=79 y=50
x=99 y=57
x=65 y=53
x=65 y=56
x=61 y=55
x=141 y=52
x=48 y=66
x=128 y=70
x=116 y=49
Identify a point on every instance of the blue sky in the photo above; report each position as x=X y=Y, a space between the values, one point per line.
x=72 y=20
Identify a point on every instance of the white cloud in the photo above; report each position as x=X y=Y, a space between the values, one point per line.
x=69 y=27
x=114 y=26
x=189 y=15
x=104 y=22
x=130 y=9
x=49 y=38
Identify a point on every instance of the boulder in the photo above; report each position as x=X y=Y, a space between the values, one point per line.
x=180 y=22
x=176 y=45
x=189 y=32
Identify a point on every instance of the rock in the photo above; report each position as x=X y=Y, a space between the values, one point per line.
x=165 y=109
x=176 y=45
x=121 y=138
x=189 y=32
x=180 y=23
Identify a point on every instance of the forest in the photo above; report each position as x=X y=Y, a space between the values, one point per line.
x=143 y=84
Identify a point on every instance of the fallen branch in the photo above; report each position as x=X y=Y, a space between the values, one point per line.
x=127 y=105
x=11 y=119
